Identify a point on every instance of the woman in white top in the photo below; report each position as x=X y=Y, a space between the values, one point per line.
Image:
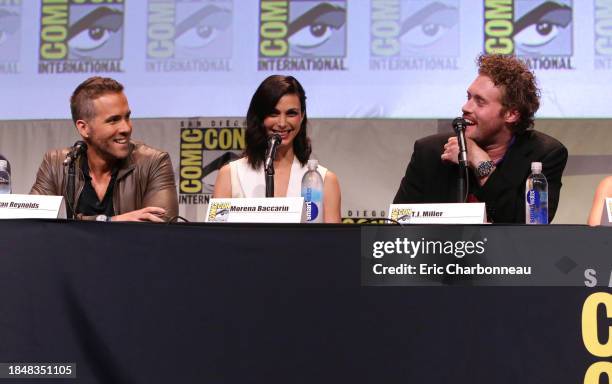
x=604 y=189
x=277 y=107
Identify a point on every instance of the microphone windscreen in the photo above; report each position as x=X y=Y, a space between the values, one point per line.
x=275 y=138
x=459 y=124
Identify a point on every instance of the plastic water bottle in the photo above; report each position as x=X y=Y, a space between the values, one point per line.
x=5 y=178
x=312 y=192
x=536 y=193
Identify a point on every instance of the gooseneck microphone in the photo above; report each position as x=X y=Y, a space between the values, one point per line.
x=77 y=149
x=273 y=143
x=459 y=125
x=463 y=187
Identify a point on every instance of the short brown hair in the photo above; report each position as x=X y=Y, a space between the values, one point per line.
x=518 y=86
x=81 y=105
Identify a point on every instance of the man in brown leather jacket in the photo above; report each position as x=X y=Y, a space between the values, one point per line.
x=116 y=179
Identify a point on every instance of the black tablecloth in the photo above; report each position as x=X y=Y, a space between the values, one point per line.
x=145 y=303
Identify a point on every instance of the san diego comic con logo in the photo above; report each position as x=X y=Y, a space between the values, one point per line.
x=302 y=35
x=10 y=35
x=189 y=35
x=414 y=34
x=603 y=34
x=402 y=214
x=364 y=216
x=205 y=146
x=81 y=36
x=219 y=212
x=539 y=32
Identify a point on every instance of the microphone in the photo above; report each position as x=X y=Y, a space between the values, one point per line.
x=77 y=149
x=459 y=125
x=273 y=143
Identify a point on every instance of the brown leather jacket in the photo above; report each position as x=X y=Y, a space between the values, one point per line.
x=145 y=179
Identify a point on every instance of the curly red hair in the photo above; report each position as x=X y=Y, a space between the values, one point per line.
x=518 y=85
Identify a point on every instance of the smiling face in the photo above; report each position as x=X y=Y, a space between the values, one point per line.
x=489 y=122
x=286 y=119
x=108 y=133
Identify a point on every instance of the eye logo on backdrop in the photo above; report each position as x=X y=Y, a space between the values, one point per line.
x=539 y=32
x=10 y=36
x=205 y=147
x=603 y=34
x=302 y=35
x=189 y=35
x=414 y=34
x=81 y=36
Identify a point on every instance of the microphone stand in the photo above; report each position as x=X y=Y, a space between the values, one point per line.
x=270 y=181
x=70 y=185
x=70 y=189
x=463 y=170
x=462 y=180
x=461 y=186
x=273 y=142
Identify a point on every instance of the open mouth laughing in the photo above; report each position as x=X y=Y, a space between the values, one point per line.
x=122 y=140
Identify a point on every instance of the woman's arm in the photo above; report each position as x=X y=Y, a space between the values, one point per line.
x=223 y=184
x=604 y=189
x=331 y=198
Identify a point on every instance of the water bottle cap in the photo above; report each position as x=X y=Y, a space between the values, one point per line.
x=536 y=167
x=3 y=164
x=313 y=164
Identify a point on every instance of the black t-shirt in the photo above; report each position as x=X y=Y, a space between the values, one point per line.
x=89 y=204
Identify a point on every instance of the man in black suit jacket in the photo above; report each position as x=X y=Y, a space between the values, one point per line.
x=500 y=108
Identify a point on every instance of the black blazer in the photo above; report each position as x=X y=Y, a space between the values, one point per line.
x=428 y=179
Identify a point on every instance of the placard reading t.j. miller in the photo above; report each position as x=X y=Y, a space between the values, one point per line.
x=442 y=213
x=256 y=210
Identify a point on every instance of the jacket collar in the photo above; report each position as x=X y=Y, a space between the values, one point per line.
x=125 y=166
x=517 y=160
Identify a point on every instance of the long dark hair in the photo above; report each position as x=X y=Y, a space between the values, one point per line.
x=263 y=104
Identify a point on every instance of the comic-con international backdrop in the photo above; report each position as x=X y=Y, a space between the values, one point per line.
x=357 y=58
x=378 y=75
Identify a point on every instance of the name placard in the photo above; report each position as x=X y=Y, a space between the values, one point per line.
x=256 y=210
x=447 y=213
x=32 y=207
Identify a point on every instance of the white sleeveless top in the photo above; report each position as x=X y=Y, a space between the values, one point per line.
x=248 y=182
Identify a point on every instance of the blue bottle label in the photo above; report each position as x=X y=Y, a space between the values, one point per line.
x=533 y=197
x=537 y=207
x=312 y=211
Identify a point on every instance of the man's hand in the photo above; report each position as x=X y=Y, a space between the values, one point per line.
x=476 y=155
x=153 y=214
